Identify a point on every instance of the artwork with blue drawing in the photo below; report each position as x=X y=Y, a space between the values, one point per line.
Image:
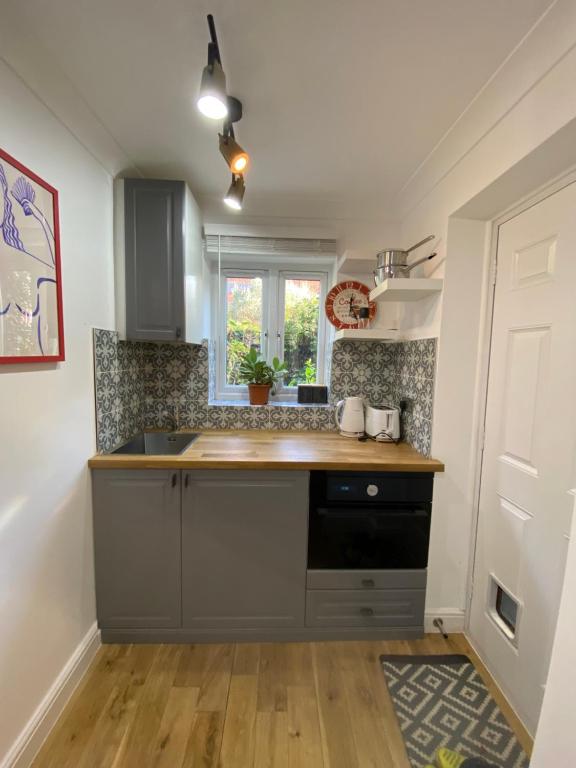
x=31 y=322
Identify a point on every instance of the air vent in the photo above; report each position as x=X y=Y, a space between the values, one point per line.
x=269 y=245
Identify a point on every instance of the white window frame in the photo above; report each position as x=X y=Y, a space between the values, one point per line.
x=272 y=340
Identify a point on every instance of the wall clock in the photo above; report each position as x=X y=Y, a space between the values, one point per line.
x=343 y=302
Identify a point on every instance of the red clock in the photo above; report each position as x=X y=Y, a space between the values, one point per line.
x=344 y=302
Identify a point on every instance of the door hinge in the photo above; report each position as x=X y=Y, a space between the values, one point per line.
x=494 y=272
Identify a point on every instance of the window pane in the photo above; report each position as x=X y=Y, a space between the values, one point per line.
x=243 y=321
x=301 y=315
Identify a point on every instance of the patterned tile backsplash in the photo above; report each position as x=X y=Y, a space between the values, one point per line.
x=140 y=385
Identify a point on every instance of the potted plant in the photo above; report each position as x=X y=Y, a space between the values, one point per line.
x=260 y=376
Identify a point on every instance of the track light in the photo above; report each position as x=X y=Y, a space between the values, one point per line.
x=212 y=100
x=233 y=153
x=235 y=193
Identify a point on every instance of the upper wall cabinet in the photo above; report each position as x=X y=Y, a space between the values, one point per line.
x=160 y=268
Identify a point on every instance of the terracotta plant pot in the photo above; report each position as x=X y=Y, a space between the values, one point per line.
x=259 y=393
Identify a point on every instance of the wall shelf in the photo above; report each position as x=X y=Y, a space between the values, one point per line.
x=406 y=289
x=367 y=334
x=352 y=264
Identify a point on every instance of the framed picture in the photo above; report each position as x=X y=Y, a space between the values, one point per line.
x=31 y=319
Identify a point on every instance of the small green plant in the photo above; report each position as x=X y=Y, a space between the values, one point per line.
x=310 y=371
x=309 y=374
x=255 y=370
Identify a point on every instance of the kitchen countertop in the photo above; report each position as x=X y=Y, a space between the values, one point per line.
x=259 y=449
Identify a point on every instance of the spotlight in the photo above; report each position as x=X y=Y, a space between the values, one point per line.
x=233 y=153
x=212 y=100
x=235 y=194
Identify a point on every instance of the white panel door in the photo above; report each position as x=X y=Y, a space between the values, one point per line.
x=529 y=450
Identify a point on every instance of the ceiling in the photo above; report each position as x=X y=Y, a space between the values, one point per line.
x=342 y=100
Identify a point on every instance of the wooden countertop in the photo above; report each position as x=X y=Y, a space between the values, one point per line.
x=259 y=449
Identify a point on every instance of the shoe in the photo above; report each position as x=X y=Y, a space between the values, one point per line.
x=447 y=758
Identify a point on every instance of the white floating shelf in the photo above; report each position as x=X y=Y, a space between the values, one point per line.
x=367 y=334
x=406 y=289
x=355 y=265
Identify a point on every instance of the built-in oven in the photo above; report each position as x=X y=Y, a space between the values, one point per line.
x=369 y=521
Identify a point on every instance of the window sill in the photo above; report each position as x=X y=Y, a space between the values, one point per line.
x=273 y=403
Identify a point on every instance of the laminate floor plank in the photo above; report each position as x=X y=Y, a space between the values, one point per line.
x=172 y=739
x=272 y=676
x=238 y=739
x=104 y=698
x=335 y=724
x=271 y=740
x=204 y=741
x=137 y=750
x=213 y=693
x=246 y=705
x=246 y=659
x=366 y=712
x=304 y=737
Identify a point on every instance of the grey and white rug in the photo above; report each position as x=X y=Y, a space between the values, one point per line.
x=441 y=701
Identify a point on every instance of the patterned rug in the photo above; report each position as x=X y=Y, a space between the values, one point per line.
x=441 y=701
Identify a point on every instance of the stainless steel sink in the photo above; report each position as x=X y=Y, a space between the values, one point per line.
x=158 y=443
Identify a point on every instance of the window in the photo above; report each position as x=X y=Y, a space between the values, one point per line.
x=279 y=313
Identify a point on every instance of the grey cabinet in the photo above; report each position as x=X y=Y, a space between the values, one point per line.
x=363 y=608
x=161 y=273
x=244 y=543
x=137 y=548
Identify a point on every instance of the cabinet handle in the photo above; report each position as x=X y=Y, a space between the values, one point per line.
x=174 y=480
x=367 y=611
x=186 y=479
x=367 y=582
x=178 y=332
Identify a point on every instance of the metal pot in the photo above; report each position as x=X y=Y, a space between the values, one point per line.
x=393 y=262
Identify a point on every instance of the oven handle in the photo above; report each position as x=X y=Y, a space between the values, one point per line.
x=363 y=512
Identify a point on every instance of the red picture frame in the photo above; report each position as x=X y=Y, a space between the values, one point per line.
x=26 y=180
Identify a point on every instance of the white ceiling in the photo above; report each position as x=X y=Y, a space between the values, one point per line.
x=343 y=99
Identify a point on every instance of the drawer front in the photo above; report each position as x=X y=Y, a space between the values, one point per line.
x=354 y=608
x=367 y=580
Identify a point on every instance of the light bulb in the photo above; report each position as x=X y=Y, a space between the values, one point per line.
x=231 y=202
x=212 y=107
x=239 y=163
x=235 y=194
x=234 y=155
x=212 y=100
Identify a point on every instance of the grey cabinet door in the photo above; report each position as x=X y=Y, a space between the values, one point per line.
x=154 y=253
x=244 y=548
x=137 y=547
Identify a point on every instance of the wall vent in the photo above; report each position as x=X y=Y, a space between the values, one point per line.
x=269 y=245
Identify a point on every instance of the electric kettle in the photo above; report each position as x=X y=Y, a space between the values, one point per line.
x=349 y=416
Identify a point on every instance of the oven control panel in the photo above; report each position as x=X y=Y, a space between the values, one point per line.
x=376 y=487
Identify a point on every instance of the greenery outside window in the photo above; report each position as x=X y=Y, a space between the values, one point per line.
x=280 y=313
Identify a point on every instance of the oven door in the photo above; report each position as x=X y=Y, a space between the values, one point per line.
x=375 y=537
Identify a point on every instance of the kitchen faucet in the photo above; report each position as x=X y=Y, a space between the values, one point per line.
x=173 y=420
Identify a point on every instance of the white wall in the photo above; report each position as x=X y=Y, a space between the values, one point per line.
x=526 y=103
x=47 y=427
x=555 y=745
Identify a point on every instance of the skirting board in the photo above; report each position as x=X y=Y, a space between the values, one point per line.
x=454 y=621
x=26 y=746
x=261 y=635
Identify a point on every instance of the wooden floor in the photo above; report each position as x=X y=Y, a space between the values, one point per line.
x=310 y=705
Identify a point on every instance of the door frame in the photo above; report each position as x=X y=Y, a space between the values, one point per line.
x=535 y=197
